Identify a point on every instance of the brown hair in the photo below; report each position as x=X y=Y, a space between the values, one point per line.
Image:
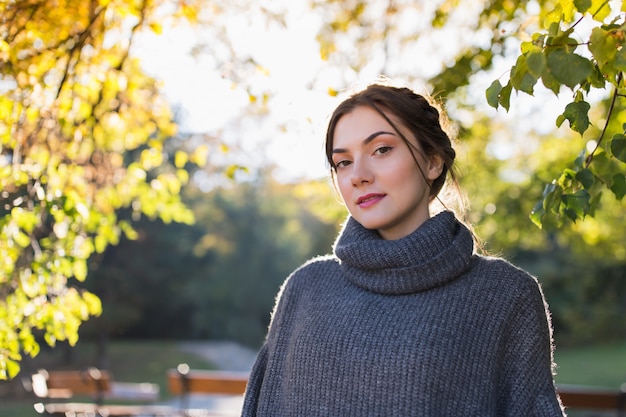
x=415 y=112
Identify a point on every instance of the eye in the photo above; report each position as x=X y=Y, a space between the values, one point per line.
x=342 y=163
x=382 y=150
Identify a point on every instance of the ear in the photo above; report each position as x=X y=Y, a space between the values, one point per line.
x=435 y=167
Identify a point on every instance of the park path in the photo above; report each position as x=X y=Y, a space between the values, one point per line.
x=225 y=355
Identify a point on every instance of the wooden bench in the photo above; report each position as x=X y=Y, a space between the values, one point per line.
x=183 y=382
x=98 y=386
x=593 y=398
x=67 y=384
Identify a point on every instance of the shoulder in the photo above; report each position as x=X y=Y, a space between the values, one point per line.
x=513 y=292
x=313 y=277
x=313 y=264
x=499 y=273
x=499 y=268
x=312 y=271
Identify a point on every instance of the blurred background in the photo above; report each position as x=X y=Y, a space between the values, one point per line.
x=236 y=95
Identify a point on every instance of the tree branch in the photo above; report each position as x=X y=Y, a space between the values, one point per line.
x=589 y=158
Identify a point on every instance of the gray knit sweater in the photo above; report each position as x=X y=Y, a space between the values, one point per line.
x=419 y=326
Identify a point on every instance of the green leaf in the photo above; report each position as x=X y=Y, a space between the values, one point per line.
x=620 y=59
x=536 y=215
x=582 y=5
x=619 y=186
x=603 y=47
x=569 y=68
x=586 y=178
x=550 y=82
x=618 y=147
x=577 y=115
x=550 y=202
x=597 y=79
x=594 y=203
x=493 y=94
x=537 y=63
x=552 y=196
x=521 y=78
x=505 y=96
x=576 y=205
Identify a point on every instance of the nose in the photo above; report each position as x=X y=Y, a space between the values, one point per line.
x=361 y=173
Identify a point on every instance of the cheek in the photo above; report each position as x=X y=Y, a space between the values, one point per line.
x=401 y=172
x=343 y=185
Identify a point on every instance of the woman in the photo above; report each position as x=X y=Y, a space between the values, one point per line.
x=404 y=319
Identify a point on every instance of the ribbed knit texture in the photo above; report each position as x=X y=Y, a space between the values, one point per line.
x=419 y=326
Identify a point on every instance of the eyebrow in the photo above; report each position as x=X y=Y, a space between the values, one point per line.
x=366 y=140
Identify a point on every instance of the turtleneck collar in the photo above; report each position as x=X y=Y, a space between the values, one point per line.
x=434 y=254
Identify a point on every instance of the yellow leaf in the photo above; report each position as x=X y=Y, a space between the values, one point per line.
x=182 y=175
x=600 y=9
x=263 y=70
x=21 y=239
x=180 y=159
x=332 y=92
x=189 y=12
x=100 y=243
x=94 y=305
x=79 y=268
x=13 y=368
x=156 y=28
x=200 y=155
x=567 y=10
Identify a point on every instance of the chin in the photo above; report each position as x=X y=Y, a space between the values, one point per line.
x=372 y=225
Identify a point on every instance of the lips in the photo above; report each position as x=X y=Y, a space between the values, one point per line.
x=369 y=200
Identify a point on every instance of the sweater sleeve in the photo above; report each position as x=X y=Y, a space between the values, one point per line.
x=257 y=375
x=253 y=389
x=527 y=381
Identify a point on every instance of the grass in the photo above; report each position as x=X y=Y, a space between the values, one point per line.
x=148 y=361
x=603 y=365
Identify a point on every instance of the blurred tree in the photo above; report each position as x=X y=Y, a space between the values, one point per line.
x=80 y=127
x=258 y=233
x=217 y=278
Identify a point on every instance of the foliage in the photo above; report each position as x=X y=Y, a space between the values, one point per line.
x=580 y=266
x=81 y=128
x=553 y=56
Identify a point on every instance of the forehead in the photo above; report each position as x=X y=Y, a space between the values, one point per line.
x=360 y=123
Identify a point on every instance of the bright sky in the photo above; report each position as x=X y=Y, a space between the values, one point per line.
x=292 y=60
x=210 y=102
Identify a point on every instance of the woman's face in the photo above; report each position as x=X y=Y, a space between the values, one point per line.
x=377 y=176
